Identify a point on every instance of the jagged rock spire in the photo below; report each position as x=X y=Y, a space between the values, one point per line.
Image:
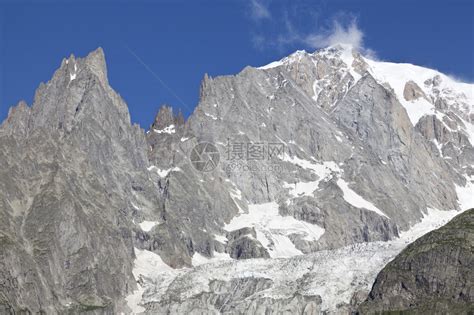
x=95 y=61
x=165 y=117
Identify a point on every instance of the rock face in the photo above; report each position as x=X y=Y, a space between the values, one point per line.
x=343 y=133
x=67 y=187
x=412 y=91
x=434 y=274
x=318 y=154
x=242 y=244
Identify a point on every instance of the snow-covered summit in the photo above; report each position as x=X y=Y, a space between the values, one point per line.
x=432 y=82
x=422 y=91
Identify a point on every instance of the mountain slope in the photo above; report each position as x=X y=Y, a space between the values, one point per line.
x=321 y=160
x=432 y=275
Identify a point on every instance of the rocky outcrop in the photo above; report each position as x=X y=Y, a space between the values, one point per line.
x=166 y=118
x=446 y=132
x=412 y=91
x=243 y=244
x=434 y=274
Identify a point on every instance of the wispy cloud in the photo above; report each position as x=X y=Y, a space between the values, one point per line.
x=349 y=34
x=342 y=31
x=259 y=10
x=304 y=27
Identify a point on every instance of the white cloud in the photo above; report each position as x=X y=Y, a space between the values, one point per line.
x=258 y=10
x=303 y=27
x=349 y=34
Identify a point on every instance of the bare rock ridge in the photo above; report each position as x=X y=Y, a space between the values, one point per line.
x=100 y=216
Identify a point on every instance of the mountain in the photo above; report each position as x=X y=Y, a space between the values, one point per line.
x=289 y=187
x=67 y=188
x=434 y=274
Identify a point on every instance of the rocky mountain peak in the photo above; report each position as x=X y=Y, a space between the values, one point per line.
x=17 y=110
x=68 y=97
x=93 y=166
x=339 y=48
x=204 y=88
x=165 y=118
x=17 y=119
x=95 y=61
x=74 y=68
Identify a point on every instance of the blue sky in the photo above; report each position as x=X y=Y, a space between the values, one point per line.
x=181 y=40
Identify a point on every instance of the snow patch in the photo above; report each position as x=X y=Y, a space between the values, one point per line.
x=466 y=195
x=134 y=300
x=323 y=170
x=469 y=130
x=347 y=57
x=301 y=189
x=147 y=265
x=164 y=173
x=199 y=259
x=432 y=219
x=273 y=230
x=271 y=65
x=220 y=238
x=169 y=130
x=357 y=200
x=235 y=194
x=146 y=226
x=72 y=76
x=439 y=146
x=211 y=116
